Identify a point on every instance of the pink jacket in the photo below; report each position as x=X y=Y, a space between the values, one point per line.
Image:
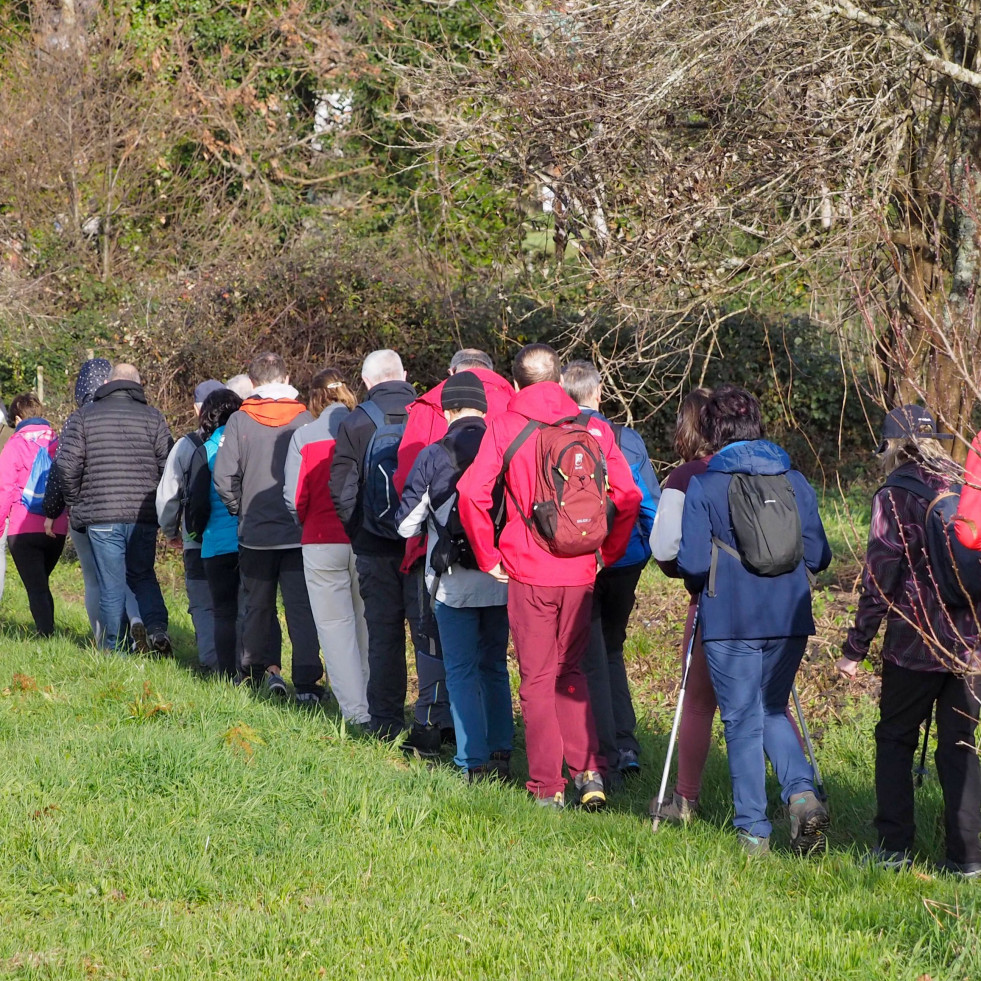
x=16 y=461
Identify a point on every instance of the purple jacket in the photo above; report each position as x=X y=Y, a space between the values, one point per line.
x=921 y=633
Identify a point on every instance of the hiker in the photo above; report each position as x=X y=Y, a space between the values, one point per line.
x=365 y=499
x=4 y=421
x=92 y=374
x=328 y=560
x=750 y=533
x=549 y=594
x=470 y=606
x=241 y=385
x=187 y=454
x=249 y=474
x=425 y=425
x=929 y=653
x=217 y=531
x=35 y=543
x=110 y=458
x=616 y=588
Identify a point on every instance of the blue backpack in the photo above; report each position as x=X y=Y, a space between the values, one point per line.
x=379 y=501
x=32 y=496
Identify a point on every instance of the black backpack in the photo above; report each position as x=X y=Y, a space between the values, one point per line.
x=765 y=524
x=452 y=547
x=955 y=568
x=196 y=494
x=379 y=501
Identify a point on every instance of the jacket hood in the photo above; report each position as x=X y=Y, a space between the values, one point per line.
x=91 y=376
x=491 y=380
x=382 y=389
x=35 y=422
x=272 y=412
x=544 y=402
x=275 y=390
x=121 y=387
x=756 y=456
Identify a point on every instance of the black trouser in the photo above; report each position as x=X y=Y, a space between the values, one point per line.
x=35 y=555
x=606 y=675
x=907 y=696
x=261 y=571
x=222 y=574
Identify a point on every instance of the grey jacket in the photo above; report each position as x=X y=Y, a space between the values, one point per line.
x=170 y=491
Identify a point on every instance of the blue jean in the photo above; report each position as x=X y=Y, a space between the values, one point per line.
x=124 y=556
x=475 y=643
x=90 y=582
x=752 y=681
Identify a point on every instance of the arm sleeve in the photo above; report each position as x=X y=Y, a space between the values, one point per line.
x=295 y=485
x=71 y=459
x=164 y=444
x=170 y=490
x=967 y=523
x=885 y=565
x=9 y=473
x=345 y=475
x=54 y=499
x=817 y=551
x=476 y=498
x=419 y=433
x=626 y=498
x=414 y=506
x=228 y=468
x=695 y=548
x=666 y=534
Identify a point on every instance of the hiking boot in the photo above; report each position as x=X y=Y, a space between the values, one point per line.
x=501 y=761
x=447 y=736
x=628 y=764
x=808 y=824
x=752 y=845
x=309 y=699
x=423 y=741
x=592 y=796
x=556 y=801
x=137 y=634
x=888 y=860
x=962 y=870
x=274 y=685
x=481 y=774
x=159 y=643
x=678 y=810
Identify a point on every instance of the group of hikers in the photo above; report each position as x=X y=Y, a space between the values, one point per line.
x=489 y=509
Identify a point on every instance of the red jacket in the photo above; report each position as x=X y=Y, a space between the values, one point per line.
x=525 y=560
x=968 y=522
x=426 y=424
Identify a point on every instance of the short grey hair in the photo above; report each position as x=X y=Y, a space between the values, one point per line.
x=382 y=366
x=241 y=385
x=580 y=379
x=267 y=369
x=470 y=357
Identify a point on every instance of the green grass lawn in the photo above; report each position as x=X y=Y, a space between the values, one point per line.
x=154 y=825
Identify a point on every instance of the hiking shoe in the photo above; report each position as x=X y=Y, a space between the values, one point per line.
x=678 y=810
x=888 y=860
x=501 y=761
x=962 y=870
x=424 y=741
x=160 y=643
x=628 y=764
x=137 y=634
x=447 y=736
x=274 y=685
x=481 y=774
x=753 y=845
x=808 y=824
x=309 y=699
x=556 y=801
x=592 y=796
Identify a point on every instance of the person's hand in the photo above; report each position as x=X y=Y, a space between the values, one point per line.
x=498 y=573
x=177 y=543
x=49 y=527
x=846 y=667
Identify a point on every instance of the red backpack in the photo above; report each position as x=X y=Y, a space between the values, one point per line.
x=570 y=509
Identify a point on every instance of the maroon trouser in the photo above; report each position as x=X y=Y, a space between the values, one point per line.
x=550 y=627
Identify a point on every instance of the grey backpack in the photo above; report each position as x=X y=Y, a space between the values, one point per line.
x=766 y=526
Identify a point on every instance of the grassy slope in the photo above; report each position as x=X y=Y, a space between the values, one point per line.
x=156 y=826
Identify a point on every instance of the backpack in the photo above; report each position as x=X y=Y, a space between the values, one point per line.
x=766 y=526
x=32 y=497
x=571 y=508
x=452 y=547
x=195 y=505
x=379 y=501
x=954 y=568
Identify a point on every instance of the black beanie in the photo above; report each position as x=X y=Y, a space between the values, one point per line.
x=464 y=390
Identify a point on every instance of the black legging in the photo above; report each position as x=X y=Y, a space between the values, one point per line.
x=35 y=555
x=222 y=574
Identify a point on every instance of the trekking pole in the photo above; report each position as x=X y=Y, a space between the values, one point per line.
x=921 y=771
x=656 y=816
x=822 y=794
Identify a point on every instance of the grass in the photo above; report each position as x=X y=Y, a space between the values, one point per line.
x=153 y=825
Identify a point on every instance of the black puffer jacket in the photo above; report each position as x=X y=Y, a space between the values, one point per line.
x=110 y=457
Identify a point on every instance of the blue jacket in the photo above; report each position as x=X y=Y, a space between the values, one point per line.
x=221 y=534
x=747 y=606
x=634 y=450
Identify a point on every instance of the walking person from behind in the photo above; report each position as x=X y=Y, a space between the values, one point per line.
x=751 y=532
x=929 y=654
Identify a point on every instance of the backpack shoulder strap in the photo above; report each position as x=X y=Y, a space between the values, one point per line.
x=717 y=546
x=532 y=426
x=374 y=413
x=913 y=485
x=195 y=437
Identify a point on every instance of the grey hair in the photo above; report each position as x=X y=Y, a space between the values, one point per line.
x=382 y=366
x=580 y=379
x=241 y=385
x=470 y=357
